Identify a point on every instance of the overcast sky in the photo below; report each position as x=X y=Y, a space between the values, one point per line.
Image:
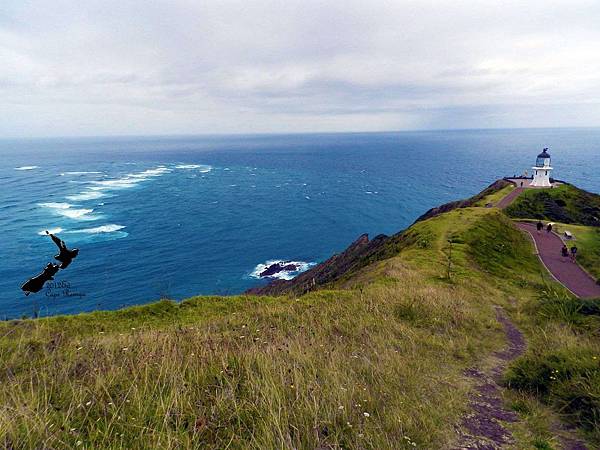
x=87 y=67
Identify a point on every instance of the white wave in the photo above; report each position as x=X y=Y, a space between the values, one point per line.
x=203 y=168
x=55 y=205
x=27 y=167
x=101 y=229
x=128 y=181
x=188 y=166
x=151 y=172
x=85 y=195
x=302 y=266
x=51 y=231
x=80 y=173
x=67 y=210
x=122 y=183
x=81 y=214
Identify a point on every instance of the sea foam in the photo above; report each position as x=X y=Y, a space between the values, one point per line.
x=202 y=168
x=26 y=167
x=284 y=274
x=85 y=195
x=80 y=173
x=110 y=228
x=51 y=231
x=67 y=210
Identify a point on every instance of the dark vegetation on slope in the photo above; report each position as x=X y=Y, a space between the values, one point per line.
x=562 y=367
x=566 y=203
x=364 y=252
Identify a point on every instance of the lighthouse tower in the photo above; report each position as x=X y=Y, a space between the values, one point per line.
x=541 y=171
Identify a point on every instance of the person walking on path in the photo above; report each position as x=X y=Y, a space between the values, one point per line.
x=539 y=226
x=549 y=228
x=574 y=253
x=565 y=252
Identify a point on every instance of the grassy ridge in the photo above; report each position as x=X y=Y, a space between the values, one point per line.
x=376 y=362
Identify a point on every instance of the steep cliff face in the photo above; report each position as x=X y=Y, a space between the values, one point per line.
x=356 y=256
x=363 y=252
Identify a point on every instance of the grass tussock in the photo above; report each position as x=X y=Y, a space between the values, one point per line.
x=562 y=366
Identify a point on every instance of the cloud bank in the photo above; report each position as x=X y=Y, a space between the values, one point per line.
x=138 y=67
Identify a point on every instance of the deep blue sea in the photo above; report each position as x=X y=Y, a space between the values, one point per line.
x=179 y=216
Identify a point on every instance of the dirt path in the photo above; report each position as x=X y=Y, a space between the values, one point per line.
x=509 y=198
x=569 y=274
x=484 y=427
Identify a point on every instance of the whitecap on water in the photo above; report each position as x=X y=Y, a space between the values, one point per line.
x=110 y=228
x=26 y=167
x=301 y=266
x=51 y=231
x=81 y=173
x=108 y=232
x=67 y=210
x=85 y=195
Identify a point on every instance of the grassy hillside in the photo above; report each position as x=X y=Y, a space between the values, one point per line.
x=376 y=361
x=565 y=203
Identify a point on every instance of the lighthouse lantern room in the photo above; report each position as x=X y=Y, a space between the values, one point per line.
x=541 y=171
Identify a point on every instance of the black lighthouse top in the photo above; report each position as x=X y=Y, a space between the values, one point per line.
x=542 y=157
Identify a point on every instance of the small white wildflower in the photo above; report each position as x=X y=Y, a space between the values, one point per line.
x=125 y=349
x=88 y=403
x=366 y=414
x=340 y=407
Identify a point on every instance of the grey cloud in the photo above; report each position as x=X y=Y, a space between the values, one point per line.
x=135 y=67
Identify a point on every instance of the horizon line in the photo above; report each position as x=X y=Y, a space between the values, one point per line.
x=283 y=133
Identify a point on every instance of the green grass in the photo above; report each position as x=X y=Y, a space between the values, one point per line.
x=294 y=373
x=566 y=204
x=562 y=365
x=375 y=362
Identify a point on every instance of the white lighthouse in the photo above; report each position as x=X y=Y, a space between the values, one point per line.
x=541 y=171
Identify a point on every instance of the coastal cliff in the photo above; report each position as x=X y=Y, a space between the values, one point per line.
x=363 y=252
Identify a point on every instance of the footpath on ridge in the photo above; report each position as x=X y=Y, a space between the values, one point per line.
x=508 y=199
x=568 y=273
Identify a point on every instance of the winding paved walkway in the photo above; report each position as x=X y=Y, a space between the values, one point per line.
x=569 y=274
x=509 y=198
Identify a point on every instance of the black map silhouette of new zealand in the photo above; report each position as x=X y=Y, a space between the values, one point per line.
x=65 y=256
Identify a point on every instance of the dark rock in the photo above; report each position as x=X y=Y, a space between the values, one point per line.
x=278 y=267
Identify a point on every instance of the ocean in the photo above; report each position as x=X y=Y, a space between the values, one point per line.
x=173 y=217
